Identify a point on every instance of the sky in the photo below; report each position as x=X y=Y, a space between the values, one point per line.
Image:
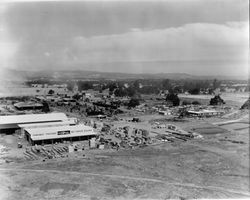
x=200 y=37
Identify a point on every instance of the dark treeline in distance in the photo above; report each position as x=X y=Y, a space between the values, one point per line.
x=132 y=87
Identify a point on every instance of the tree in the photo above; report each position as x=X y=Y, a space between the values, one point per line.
x=76 y=96
x=149 y=90
x=194 y=91
x=216 y=84
x=112 y=86
x=210 y=91
x=217 y=100
x=166 y=84
x=85 y=85
x=51 y=92
x=177 y=89
x=70 y=86
x=173 y=98
x=130 y=91
x=120 y=92
x=133 y=103
x=136 y=84
x=45 y=107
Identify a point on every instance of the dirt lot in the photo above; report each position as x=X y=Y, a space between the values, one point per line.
x=212 y=167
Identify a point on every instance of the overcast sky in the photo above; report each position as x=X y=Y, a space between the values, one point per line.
x=202 y=37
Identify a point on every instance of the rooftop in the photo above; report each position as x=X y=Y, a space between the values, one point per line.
x=47 y=124
x=32 y=118
x=27 y=104
x=60 y=132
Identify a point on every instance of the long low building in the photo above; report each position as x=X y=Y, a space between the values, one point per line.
x=28 y=106
x=48 y=135
x=10 y=123
x=69 y=122
x=205 y=113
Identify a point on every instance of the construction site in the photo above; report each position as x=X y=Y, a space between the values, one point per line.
x=124 y=100
x=140 y=153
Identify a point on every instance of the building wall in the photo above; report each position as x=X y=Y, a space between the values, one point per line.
x=59 y=140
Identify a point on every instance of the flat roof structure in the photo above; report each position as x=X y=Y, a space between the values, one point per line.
x=31 y=118
x=12 y=121
x=205 y=112
x=47 y=124
x=59 y=132
x=28 y=105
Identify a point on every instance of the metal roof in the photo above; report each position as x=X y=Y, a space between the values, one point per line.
x=32 y=118
x=204 y=111
x=46 y=124
x=59 y=132
x=27 y=104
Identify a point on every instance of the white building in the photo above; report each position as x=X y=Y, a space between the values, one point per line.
x=47 y=135
x=10 y=123
x=44 y=125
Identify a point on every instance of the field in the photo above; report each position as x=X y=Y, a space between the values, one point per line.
x=22 y=90
x=231 y=99
x=213 y=167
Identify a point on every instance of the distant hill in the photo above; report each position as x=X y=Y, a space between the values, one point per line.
x=80 y=74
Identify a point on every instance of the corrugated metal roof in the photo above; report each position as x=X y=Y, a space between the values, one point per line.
x=59 y=132
x=32 y=118
x=46 y=124
x=27 y=104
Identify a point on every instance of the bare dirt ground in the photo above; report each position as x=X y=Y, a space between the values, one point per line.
x=216 y=166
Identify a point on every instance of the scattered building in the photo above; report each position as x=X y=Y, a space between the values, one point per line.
x=165 y=112
x=28 y=106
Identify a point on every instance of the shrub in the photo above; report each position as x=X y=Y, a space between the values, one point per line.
x=196 y=103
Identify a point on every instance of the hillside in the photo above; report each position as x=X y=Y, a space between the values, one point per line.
x=82 y=74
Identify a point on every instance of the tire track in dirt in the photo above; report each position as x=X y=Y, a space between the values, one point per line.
x=190 y=185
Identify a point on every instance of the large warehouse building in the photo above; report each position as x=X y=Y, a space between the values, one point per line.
x=10 y=123
x=48 y=135
x=46 y=128
x=69 y=122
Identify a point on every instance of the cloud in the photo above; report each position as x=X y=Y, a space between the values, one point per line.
x=196 y=41
x=8 y=47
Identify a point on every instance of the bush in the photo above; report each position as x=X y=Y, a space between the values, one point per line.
x=51 y=92
x=196 y=103
x=133 y=103
x=185 y=102
x=195 y=91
